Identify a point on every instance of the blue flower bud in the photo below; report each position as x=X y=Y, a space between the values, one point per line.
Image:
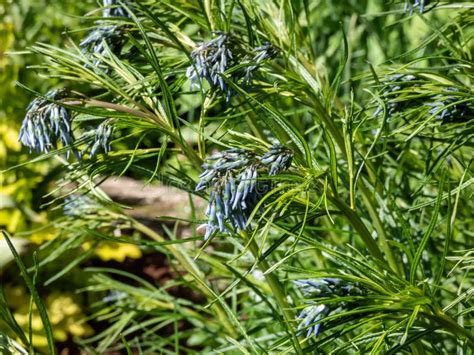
x=313 y=314
x=99 y=39
x=411 y=5
x=47 y=123
x=236 y=189
x=112 y=8
x=452 y=107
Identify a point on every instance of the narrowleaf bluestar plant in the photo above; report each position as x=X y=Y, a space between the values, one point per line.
x=315 y=312
x=47 y=123
x=212 y=59
x=232 y=176
x=390 y=212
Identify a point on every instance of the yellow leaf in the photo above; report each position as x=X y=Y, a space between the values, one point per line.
x=10 y=139
x=44 y=235
x=118 y=251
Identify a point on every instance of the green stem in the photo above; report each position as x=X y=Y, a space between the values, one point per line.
x=368 y=240
x=451 y=326
x=380 y=230
x=188 y=151
x=359 y=226
x=193 y=270
x=148 y=115
x=277 y=290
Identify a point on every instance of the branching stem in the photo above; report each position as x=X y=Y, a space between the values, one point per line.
x=452 y=326
x=193 y=270
x=277 y=289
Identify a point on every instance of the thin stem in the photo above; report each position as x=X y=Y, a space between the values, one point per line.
x=368 y=240
x=277 y=290
x=185 y=147
x=359 y=226
x=193 y=270
x=452 y=326
x=380 y=230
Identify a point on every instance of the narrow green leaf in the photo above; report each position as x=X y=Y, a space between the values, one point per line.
x=429 y=231
x=34 y=294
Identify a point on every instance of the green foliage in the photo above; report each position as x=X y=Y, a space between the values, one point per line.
x=34 y=294
x=24 y=23
x=374 y=102
x=9 y=346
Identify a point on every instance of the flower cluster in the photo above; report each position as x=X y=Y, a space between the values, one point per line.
x=80 y=206
x=46 y=123
x=100 y=138
x=212 y=59
x=449 y=107
x=396 y=93
x=314 y=313
x=105 y=35
x=100 y=39
x=260 y=54
x=112 y=8
x=311 y=317
x=277 y=159
x=236 y=189
x=411 y=5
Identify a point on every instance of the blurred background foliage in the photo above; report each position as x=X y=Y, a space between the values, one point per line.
x=22 y=24
x=377 y=33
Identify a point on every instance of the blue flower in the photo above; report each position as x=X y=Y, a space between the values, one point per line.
x=211 y=60
x=115 y=297
x=311 y=319
x=47 y=123
x=451 y=106
x=101 y=136
x=313 y=314
x=260 y=54
x=278 y=158
x=106 y=35
x=112 y=8
x=100 y=39
x=236 y=189
x=411 y=5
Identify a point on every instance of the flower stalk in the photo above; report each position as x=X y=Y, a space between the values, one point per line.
x=277 y=289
